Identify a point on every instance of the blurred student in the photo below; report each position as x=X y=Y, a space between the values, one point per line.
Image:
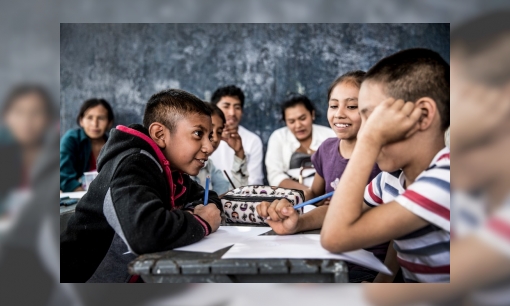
x=219 y=182
x=27 y=114
x=230 y=99
x=298 y=140
x=143 y=200
x=79 y=148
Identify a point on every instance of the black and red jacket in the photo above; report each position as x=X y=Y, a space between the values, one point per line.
x=136 y=205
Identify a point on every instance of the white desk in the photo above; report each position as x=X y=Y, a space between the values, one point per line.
x=73 y=195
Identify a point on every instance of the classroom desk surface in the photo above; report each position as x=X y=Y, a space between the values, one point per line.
x=197 y=267
x=67 y=211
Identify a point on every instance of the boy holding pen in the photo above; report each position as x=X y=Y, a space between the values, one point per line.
x=411 y=197
x=143 y=200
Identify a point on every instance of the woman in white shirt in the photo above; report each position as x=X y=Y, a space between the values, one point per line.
x=298 y=139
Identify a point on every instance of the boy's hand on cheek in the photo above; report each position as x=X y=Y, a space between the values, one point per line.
x=391 y=121
x=210 y=213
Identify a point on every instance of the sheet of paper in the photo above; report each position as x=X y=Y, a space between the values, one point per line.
x=73 y=195
x=307 y=208
x=299 y=246
x=225 y=236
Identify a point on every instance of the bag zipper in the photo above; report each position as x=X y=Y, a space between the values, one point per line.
x=251 y=199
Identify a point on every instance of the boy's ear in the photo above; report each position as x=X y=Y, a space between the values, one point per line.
x=157 y=132
x=428 y=112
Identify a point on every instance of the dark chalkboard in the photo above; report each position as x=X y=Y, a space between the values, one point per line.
x=127 y=63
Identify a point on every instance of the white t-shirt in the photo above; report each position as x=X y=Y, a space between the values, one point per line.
x=282 y=144
x=223 y=157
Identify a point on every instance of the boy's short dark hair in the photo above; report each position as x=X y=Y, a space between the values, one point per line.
x=296 y=100
x=231 y=91
x=170 y=105
x=413 y=74
x=352 y=77
x=90 y=103
x=215 y=110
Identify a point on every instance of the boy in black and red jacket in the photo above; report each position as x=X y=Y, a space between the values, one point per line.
x=143 y=199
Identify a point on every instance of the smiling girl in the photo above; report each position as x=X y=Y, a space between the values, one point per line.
x=330 y=161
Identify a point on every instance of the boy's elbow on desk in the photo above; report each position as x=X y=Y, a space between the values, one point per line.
x=334 y=243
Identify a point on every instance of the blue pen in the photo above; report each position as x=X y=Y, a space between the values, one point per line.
x=315 y=200
x=206 y=195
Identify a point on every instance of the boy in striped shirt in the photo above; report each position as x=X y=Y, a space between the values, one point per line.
x=411 y=198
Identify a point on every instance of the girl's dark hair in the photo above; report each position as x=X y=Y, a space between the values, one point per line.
x=215 y=110
x=90 y=103
x=354 y=77
x=296 y=100
x=26 y=89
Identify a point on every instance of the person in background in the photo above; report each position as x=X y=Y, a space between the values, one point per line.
x=218 y=182
x=79 y=148
x=27 y=114
x=230 y=99
x=299 y=139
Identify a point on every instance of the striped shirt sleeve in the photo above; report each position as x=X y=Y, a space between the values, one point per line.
x=373 y=192
x=496 y=230
x=429 y=196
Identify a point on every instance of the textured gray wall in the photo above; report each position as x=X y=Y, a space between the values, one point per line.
x=127 y=63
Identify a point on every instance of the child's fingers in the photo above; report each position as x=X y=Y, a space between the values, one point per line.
x=414 y=119
x=408 y=108
x=280 y=206
x=415 y=114
x=398 y=104
x=388 y=102
x=262 y=209
x=271 y=211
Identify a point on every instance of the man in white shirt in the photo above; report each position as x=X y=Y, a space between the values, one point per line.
x=230 y=99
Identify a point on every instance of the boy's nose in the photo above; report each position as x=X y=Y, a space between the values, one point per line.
x=207 y=147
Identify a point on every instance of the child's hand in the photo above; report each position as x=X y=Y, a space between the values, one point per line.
x=280 y=215
x=391 y=121
x=232 y=138
x=210 y=213
x=324 y=202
